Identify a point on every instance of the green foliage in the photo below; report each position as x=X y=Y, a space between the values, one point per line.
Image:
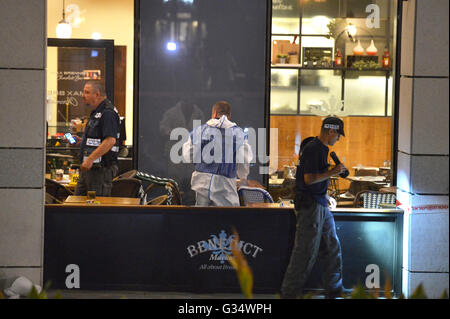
x=34 y=294
x=419 y=293
x=332 y=29
x=361 y=65
x=239 y=263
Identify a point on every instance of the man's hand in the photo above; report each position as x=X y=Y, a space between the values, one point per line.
x=338 y=169
x=77 y=140
x=87 y=164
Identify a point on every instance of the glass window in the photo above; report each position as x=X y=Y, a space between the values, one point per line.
x=285 y=50
x=345 y=68
x=284 y=88
x=365 y=94
x=329 y=8
x=320 y=91
x=285 y=17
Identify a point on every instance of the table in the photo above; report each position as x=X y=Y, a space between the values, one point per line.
x=366 y=170
x=276 y=181
x=286 y=204
x=361 y=183
x=250 y=183
x=59 y=155
x=81 y=200
x=392 y=189
x=375 y=179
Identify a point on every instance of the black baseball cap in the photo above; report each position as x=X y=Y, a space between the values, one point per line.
x=334 y=123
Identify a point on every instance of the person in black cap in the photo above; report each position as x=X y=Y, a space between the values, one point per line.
x=316 y=231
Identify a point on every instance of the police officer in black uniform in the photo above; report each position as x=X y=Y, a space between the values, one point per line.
x=100 y=144
x=316 y=231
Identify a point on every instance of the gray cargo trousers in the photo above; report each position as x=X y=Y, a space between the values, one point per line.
x=96 y=179
x=315 y=237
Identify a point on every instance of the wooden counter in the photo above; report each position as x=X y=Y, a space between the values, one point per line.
x=119 y=201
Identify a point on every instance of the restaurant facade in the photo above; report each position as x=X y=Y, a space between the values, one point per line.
x=380 y=65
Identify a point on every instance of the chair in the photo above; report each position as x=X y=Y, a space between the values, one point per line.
x=127 y=174
x=373 y=199
x=160 y=200
x=253 y=195
x=167 y=185
x=49 y=199
x=127 y=187
x=173 y=196
x=56 y=190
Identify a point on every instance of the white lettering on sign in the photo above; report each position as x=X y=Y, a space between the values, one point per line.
x=373 y=279
x=373 y=19
x=73 y=280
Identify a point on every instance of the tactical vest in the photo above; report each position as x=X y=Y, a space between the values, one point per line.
x=226 y=165
x=93 y=137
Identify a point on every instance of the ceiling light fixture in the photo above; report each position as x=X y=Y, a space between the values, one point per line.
x=351 y=31
x=63 y=29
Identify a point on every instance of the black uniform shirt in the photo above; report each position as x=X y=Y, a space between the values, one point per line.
x=313 y=161
x=101 y=127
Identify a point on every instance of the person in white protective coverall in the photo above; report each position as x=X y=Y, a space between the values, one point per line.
x=220 y=153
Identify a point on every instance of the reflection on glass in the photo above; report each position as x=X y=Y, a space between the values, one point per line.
x=365 y=94
x=316 y=25
x=67 y=70
x=320 y=91
x=329 y=8
x=284 y=84
x=285 y=17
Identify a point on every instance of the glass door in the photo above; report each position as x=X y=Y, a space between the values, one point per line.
x=71 y=62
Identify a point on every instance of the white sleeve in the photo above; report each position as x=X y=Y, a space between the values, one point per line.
x=188 y=151
x=243 y=158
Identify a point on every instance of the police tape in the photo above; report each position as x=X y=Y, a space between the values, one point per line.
x=429 y=207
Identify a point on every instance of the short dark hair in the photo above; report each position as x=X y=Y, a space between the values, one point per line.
x=97 y=86
x=222 y=108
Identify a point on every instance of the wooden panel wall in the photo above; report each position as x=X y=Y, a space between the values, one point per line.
x=368 y=140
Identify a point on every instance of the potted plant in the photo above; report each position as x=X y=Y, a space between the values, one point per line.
x=282 y=58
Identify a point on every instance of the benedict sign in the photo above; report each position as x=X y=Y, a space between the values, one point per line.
x=219 y=248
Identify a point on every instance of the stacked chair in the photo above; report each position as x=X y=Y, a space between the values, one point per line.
x=55 y=192
x=253 y=195
x=373 y=199
x=171 y=196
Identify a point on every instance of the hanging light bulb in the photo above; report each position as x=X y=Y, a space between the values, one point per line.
x=63 y=29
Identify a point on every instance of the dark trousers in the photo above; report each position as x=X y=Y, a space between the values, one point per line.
x=96 y=179
x=315 y=237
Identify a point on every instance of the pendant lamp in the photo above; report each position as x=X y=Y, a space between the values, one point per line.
x=372 y=50
x=64 y=29
x=358 y=50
